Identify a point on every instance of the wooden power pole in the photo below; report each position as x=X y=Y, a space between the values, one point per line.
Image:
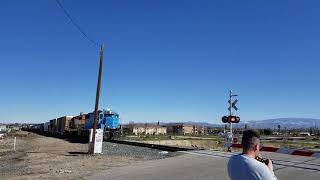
x=96 y=109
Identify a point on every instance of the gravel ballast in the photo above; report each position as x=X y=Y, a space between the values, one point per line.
x=135 y=152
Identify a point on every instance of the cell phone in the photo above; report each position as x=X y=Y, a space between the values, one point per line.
x=263 y=160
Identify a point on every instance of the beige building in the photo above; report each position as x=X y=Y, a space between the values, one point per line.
x=182 y=129
x=172 y=129
x=200 y=130
x=186 y=129
x=149 y=129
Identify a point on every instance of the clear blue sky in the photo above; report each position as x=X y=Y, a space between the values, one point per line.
x=164 y=60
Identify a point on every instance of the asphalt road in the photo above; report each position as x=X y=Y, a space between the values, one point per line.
x=207 y=165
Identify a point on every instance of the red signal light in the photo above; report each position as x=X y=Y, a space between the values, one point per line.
x=230 y=119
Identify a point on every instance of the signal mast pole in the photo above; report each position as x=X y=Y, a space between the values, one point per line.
x=96 y=109
x=230 y=110
x=232 y=105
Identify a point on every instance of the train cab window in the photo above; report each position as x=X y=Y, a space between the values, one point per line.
x=107 y=115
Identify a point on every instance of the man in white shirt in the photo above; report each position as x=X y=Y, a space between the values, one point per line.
x=245 y=166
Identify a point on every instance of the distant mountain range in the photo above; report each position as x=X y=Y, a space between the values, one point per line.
x=289 y=123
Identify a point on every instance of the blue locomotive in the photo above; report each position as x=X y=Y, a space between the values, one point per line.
x=107 y=120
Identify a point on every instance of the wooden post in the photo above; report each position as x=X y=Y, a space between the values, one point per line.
x=14 y=143
x=96 y=109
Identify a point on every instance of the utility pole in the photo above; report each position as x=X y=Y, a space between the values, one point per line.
x=96 y=109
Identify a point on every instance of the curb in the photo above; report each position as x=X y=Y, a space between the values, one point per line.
x=297 y=152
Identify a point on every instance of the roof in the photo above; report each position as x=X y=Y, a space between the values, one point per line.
x=178 y=124
x=148 y=126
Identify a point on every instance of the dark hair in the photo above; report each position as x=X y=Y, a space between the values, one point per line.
x=250 y=138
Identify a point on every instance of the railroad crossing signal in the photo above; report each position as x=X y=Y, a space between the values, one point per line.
x=232 y=105
x=230 y=119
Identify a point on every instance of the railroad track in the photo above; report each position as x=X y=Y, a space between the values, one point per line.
x=154 y=146
x=306 y=165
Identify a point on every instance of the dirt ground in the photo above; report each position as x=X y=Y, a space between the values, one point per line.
x=40 y=157
x=205 y=144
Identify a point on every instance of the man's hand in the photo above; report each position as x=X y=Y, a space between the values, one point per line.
x=270 y=166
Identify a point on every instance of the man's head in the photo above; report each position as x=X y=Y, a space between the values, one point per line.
x=251 y=141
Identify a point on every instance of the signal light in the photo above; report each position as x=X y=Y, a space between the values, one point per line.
x=225 y=119
x=237 y=119
x=230 y=119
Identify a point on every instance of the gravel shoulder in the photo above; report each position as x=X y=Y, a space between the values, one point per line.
x=41 y=157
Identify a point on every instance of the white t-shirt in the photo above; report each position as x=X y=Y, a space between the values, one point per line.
x=242 y=167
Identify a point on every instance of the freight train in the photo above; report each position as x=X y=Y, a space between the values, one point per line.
x=71 y=126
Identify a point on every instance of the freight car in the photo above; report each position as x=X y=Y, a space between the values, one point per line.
x=36 y=128
x=63 y=124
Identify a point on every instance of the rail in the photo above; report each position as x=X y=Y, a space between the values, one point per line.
x=154 y=146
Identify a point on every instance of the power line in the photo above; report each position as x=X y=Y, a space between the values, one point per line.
x=76 y=25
